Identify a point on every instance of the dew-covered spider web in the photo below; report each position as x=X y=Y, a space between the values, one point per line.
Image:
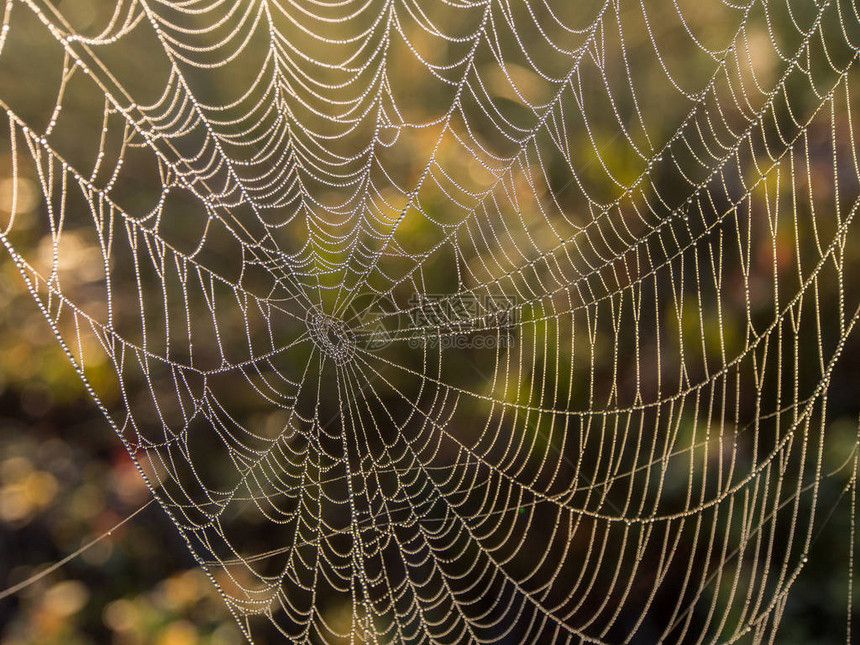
x=511 y=321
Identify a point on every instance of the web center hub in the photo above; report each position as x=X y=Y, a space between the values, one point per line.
x=332 y=336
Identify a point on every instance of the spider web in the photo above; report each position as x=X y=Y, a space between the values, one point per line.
x=458 y=321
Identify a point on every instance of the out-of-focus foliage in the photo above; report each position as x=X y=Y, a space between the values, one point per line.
x=66 y=479
x=134 y=586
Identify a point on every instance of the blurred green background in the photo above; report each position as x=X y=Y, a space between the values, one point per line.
x=65 y=478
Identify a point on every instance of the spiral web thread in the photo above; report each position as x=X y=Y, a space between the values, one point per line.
x=274 y=240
